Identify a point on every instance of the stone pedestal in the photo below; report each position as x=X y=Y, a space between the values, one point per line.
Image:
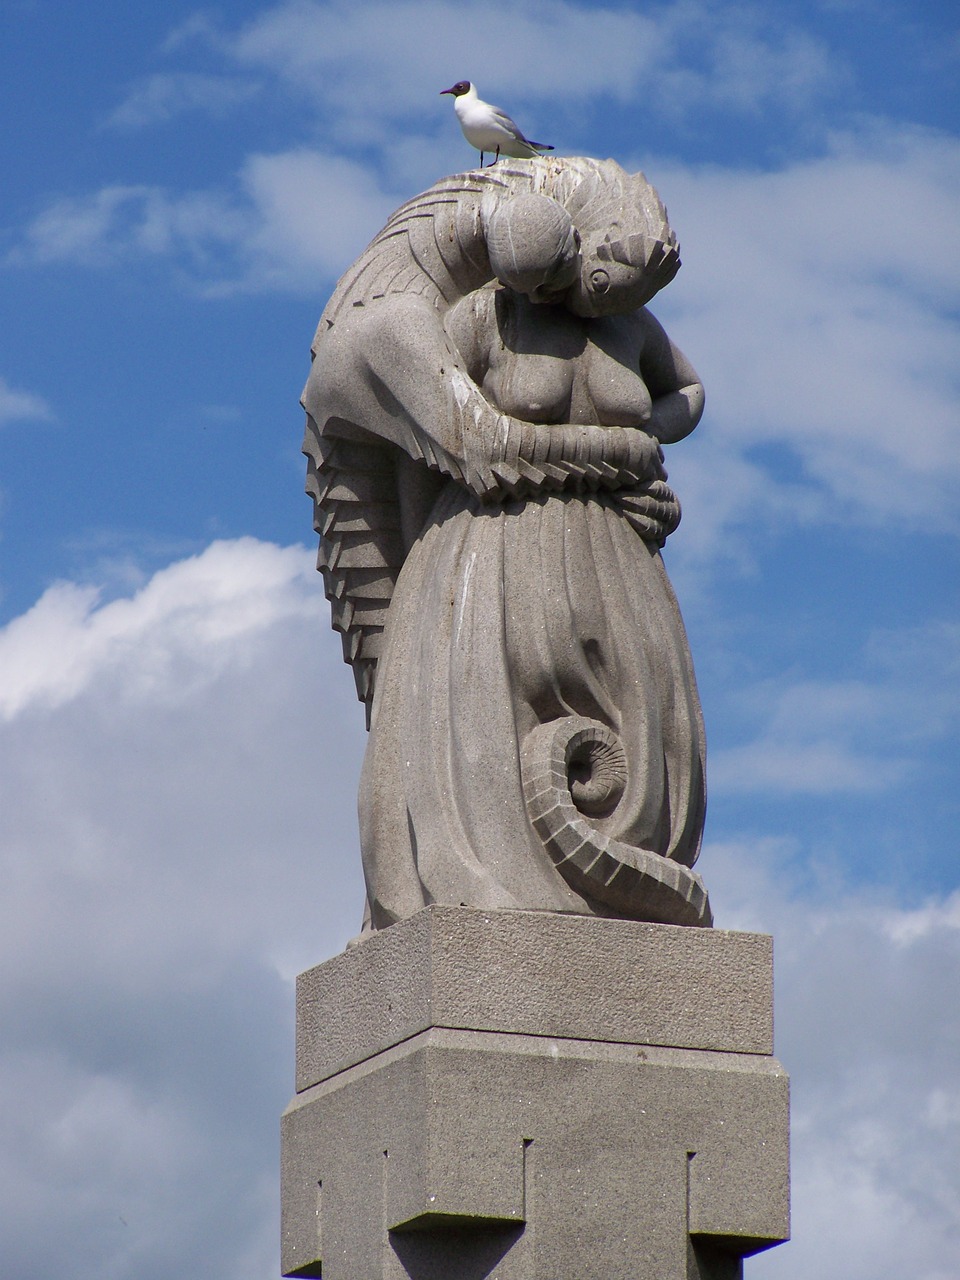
x=530 y=1096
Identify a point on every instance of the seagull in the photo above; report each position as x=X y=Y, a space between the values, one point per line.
x=488 y=128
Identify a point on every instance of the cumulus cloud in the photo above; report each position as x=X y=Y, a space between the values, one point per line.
x=53 y=652
x=22 y=406
x=174 y=848
x=821 y=335
x=873 y=1054
x=187 y=687
x=179 y=839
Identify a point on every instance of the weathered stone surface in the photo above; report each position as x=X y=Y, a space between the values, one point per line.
x=519 y=1080
x=486 y=410
x=535 y=973
x=528 y=1154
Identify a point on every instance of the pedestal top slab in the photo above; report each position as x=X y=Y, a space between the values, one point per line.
x=535 y=973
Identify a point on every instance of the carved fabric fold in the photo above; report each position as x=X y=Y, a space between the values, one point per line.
x=503 y=619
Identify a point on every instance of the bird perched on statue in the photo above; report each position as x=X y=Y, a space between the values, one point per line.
x=488 y=128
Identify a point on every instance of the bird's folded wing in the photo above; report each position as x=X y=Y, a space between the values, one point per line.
x=502 y=118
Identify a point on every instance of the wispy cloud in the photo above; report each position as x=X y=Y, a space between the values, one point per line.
x=808 y=768
x=814 y=330
x=352 y=59
x=159 y=98
x=830 y=737
x=291 y=223
x=119 y=221
x=818 y=300
x=22 y=406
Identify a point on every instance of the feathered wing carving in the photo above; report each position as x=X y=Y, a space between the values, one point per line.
x=354 y=490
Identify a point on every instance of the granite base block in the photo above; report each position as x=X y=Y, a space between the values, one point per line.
x=631 y=1137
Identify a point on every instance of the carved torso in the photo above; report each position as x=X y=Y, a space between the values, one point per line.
x=544 y=364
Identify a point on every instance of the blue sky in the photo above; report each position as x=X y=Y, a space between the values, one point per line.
x=179 y=740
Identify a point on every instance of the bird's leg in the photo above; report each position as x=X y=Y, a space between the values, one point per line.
x=497 y=156
x=481 y=159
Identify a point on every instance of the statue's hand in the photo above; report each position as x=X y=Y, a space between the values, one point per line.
x=534 y=457
x=610 y=457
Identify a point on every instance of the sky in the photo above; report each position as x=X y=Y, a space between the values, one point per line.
x=180 y=742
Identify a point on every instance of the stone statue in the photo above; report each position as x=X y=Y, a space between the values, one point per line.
x=503 y=1082
x=485 y=414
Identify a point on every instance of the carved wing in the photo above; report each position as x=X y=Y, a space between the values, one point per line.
x=431 y=247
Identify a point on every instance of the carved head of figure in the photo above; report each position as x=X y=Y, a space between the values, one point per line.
x=533 y=247
x=628 y=251
x=600 y=242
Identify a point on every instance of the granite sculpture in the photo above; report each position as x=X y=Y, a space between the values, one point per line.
x=534 y=1072
x=486 y=412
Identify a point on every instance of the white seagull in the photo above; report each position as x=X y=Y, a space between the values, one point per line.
x=488 y=128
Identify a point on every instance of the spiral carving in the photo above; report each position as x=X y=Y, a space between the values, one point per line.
x=575 y=769
x=596 y=769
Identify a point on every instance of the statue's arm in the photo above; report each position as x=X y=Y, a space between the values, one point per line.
x=389 y=368
x=672 y=381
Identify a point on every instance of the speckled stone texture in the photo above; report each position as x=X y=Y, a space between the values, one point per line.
x=526 y=1096
x=487 y=412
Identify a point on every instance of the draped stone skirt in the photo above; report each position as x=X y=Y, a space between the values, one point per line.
x=514 y=628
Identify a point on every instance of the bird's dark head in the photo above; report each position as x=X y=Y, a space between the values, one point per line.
x=459 y=89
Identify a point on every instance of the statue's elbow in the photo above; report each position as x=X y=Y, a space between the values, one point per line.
x=676 y=414
x=696 y=398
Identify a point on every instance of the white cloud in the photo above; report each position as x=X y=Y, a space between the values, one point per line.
x=120 y=221
x=161 y=97
x=292 y=222
x=828 y=346
x=21 y=406
x=909 y=927
x=363 y=76
x=314 y=213
x=207 y=605
x=813 y=768
x=178 y=838
x=817 y=301
x=353 y=59
x=873 y=1053
x=76 y=229
x=820 y=329
x=193 y=690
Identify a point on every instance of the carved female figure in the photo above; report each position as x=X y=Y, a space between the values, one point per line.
x=485 y=414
